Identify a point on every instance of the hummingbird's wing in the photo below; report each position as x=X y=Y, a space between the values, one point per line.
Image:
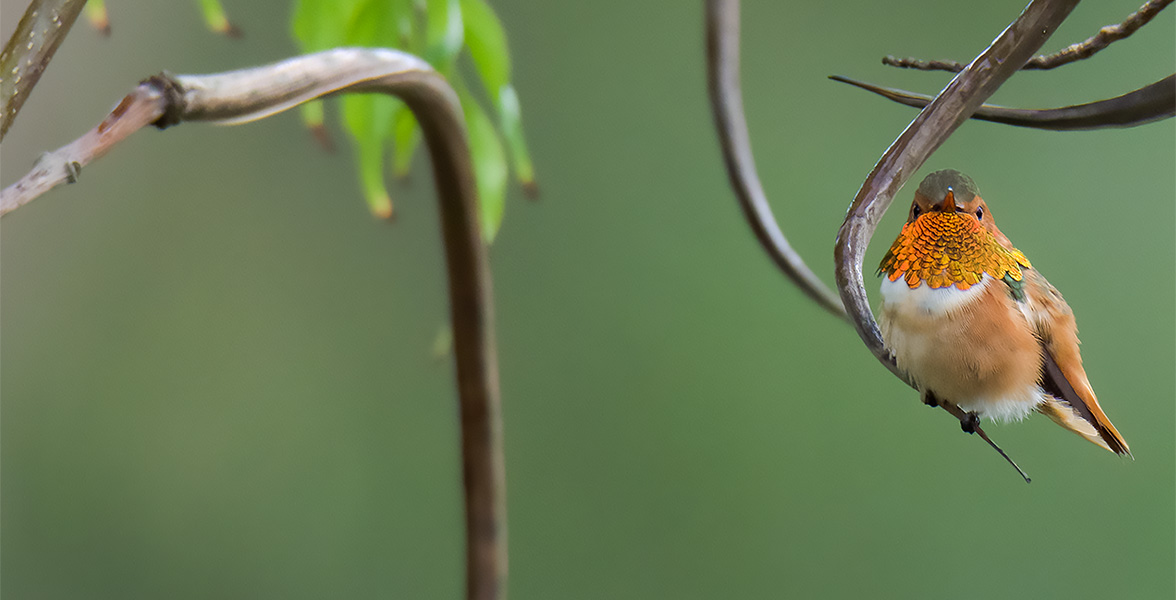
x=1072 y=403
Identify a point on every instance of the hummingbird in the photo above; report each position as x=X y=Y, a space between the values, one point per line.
x=972 y=322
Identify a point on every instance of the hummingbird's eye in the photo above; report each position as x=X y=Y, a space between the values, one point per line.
x=915 y=211
x=980 y=214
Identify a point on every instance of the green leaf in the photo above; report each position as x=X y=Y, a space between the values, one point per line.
x=487 y=43
x=405 y=139
x=436 y=30
x=444 y=34
x=95 y=11
x=315 y=121
x=322 y=24
x=367 y=117
x=216 y=19
x=510 y=119
x=378 y=23
x=489 y=166
x=312 y=113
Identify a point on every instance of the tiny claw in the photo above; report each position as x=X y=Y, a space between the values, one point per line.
x=970 y=422
x=73 y=170
x=930 y=400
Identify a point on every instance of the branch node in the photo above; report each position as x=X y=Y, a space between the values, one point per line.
x=73 y=171
x=173 y=94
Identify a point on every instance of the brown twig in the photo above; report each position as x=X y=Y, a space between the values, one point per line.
x=1145 y=105
x=1074 y=52
x=722 y=43
x=26 y=55
x=251 y=94
x=140 y=108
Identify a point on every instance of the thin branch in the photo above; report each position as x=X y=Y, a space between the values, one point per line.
x=958 y=101
x=1145 y=105
x=1074 y=52
x=1105 y=37
x=28 y=52
x=722 y=43
x=919 y=64
x=251 y=94
x=970 y=423
x=140 y=108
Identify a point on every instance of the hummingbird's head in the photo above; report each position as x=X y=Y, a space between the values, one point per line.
x=951 y=191
x=950 y=238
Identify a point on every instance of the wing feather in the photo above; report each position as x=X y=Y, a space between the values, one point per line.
x=1073 y=404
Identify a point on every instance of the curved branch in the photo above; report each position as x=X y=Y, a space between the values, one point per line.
x=1145 y=105
x=1074 y=52
x=26 y=55
x=951 y=108
x=722 y=45
x=958 y=101
x=250 y=94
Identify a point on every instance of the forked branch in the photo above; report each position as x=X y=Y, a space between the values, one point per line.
x=1074 y=52
x=958 y=101
x=962 y=97
x=251 y=94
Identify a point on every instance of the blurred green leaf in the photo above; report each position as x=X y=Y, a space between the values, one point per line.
x=315 y=121
x=489 y=165
x=405 y=139
x=96 y=14
x=444 y=34
x=322 y=24
x=487 y=43
x=318 y=25
x=377 y=23
x=312 y=113
x=512 y=129
x=436 y=30
x=217 y=20
x=367 y=117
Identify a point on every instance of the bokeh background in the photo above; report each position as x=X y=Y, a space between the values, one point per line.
x=217 y=369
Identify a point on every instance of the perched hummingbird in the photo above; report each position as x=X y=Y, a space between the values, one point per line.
x=975 y=325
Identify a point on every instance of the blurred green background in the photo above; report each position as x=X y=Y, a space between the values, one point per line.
x=217 y=378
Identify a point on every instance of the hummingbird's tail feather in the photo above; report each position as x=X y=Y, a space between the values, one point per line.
x=1074 y=405
x=1066 y=407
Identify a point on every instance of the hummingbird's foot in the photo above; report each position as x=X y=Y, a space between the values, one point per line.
x=930 y=400
x=970 y=422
